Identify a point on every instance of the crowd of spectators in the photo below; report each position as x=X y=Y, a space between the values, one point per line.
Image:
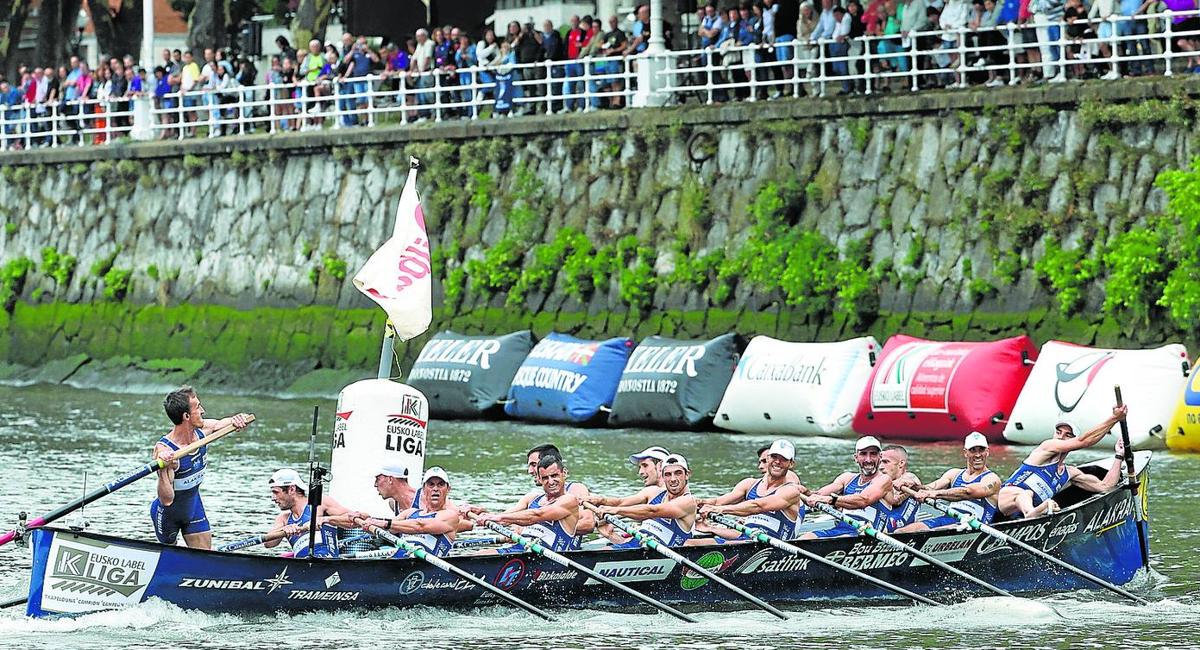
x=753 y=47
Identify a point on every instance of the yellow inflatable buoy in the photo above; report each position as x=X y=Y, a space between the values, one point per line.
x=1184 y=432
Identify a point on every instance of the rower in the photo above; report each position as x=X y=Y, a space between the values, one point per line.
x=1031 y=488
x=431 y=527
x=391 y=482
x=971 y=490
x=649 y=466
x=178 y=506
x=587 y=521
x=670 y=514
x=893 y=461
x=858 y=494
x=551 y=519
x=290 y=493
x=772 y=503
x=737 y=494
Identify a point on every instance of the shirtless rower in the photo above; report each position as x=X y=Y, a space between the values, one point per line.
x=177 y=506
x=430 y=527
x=893 y=461
x=587 y=521
x=290 y=493
x=772 y=503
x=551 y=519
x=649 y=466
x=971 y=490
x=1030 y=490
x=859 y=494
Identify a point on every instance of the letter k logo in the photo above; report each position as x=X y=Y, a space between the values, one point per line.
x=71 y=562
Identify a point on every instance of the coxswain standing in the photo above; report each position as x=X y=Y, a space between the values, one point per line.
x=649 y=466
x=178 y=506
x=551 y=519
x=771 y=504
x=669 y=514
x=1031 y=488
x=290 y=493
x=431 y=527
x=860 y=495
x=971 y=490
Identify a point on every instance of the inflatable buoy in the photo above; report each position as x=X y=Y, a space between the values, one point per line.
x=468 y=376
x=1184 y=432
x=674 y=384
x=565 y=379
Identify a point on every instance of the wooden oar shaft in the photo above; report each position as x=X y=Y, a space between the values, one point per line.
x=654 y=545
x=975 y=523
x=761 y=537
x=899 y=545
x=595 y=575
x=419 y=553
x=1132 y=482
x=13 y=602
x=119 y=482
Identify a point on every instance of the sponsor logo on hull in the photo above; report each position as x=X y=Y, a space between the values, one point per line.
x=948 y=549
x=761 y=562
x=85 y=575
x=633 y=570
x=268 y=585
x=714 y=561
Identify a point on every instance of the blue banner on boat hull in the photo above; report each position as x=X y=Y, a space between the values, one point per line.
x=670 y=383
x=565 y=379
x=468 y=376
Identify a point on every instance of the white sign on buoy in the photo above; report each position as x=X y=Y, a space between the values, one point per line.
x=378 y=422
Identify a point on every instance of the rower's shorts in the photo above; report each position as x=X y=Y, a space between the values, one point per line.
x=840 y=529
x=185 y=514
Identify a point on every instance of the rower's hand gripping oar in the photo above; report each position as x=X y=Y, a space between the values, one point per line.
x=538 y=549
x=792 y=549
x=974 y=523
x=419 y=553
x=1132 y=482
x=869 y=530
x=256 y=540
x=119 y=482
x=654 y=545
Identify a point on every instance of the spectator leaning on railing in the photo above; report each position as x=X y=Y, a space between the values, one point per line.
x=1049 y=36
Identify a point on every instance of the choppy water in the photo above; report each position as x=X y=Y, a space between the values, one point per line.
x=49 y=436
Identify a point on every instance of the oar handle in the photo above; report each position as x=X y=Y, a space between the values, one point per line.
x=210 y=438
x=256 y=540
x=1130 y=472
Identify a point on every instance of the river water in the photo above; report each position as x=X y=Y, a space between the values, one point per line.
x=52 y=436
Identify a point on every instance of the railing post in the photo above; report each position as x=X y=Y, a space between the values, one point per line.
x=587 y=85
x=437 y=96
x=962 y=58
x=1168 y=48
x=914 y=69
x=868 y=74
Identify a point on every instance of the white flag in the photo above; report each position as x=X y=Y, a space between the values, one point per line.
x=397 y=276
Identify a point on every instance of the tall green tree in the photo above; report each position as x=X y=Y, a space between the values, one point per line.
x=15 y=11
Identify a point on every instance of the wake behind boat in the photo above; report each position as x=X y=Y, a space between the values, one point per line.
x=76 y=572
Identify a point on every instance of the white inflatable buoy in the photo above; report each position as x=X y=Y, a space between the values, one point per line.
x=378 y=422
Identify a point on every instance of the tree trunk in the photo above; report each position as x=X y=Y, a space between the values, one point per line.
x=50 y=48
x=312 y=17
x=206 y=26
x=17 y=11
x=118 y=31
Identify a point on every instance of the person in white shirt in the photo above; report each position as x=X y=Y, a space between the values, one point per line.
x=840 y=48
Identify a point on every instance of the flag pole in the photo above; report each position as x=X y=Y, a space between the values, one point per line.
x=386 y=354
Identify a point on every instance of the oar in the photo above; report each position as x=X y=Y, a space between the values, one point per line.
x=1132 y=482
x=256 y=540
x=419 y=553
x=14 y=602
x=533 y=546
x=118 y=483
x=792 y=549
x=975 y=523
x=653 y=544
x=869 y=530
x=477 y=541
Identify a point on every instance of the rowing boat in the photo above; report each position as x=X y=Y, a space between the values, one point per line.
x=75 y=572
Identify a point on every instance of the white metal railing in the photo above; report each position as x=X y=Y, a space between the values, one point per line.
x=1144 y=43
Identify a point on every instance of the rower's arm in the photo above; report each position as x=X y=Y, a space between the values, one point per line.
x=782 y=499
x=1088 y=439
x=631 y=500
x=238 y=420
x=166 y=479
x=838 y=485
x=280 y=522
x=523 y=504
x=587 y=520
x=984 y=489
x=677 y=508
x=943 y=482
x=445 y=523
x=1090 y=483
x=736 y=495
x=879 y=487
x=553 y=511
x=331 y=508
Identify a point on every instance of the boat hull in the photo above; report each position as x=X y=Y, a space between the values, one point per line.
x=76 y=572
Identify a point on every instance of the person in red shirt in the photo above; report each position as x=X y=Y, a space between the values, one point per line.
x=576 y=37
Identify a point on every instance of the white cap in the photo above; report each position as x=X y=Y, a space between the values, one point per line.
x=657 y=453
x=975 y=439
x=287 y=476
x=866 y=442
x=783 y=448
x=394 y=470
x=436 y=472
x=676 y=459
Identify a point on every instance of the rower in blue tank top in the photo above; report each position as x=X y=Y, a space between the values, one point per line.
x=290 y=494
x=1030 y=491
x=668 y=516
x=432 y=529
x=971 y=490
x=900 y=509
x=772 y=504
x=587 y=522
x=178 y=507
x=551 y=517
x=858 y=494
